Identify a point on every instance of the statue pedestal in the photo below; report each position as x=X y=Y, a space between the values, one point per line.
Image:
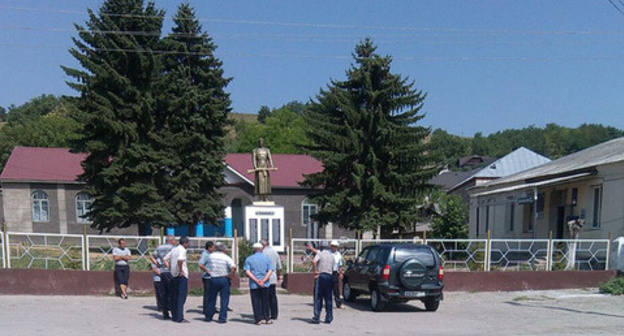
x=265 y=220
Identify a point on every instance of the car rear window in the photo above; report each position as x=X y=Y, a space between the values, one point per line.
x=404 y=253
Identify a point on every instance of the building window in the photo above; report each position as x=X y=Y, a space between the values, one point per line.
x=40 y=207
x=596 y=205
x=83 y=206
x=307 y=211
x=487 y=219
x=511 y=208
x=478 y=219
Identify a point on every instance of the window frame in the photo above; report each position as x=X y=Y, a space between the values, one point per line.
x=596 y=205
x=38 y=199
x=306 y=208
x=77 y=201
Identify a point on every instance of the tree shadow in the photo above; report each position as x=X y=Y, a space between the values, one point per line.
x=243 y=320
x=571 y=310
x=391 y=307
x=149 y=307
x=304 y=320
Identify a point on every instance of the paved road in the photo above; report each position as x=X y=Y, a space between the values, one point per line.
x=511 y=313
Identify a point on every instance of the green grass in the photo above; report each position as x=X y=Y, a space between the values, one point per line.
x=614 y=286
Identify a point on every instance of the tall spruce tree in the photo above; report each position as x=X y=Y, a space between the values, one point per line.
x=193 y=110
x=364 y=131
x=116 y=103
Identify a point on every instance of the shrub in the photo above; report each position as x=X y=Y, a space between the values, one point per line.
x=614 y=286
x=244 y=250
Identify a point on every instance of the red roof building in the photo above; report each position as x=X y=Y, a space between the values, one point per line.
x=41 y=192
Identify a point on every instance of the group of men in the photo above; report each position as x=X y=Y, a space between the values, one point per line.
x=263 y=268
x=328 y=274
x=169 y=264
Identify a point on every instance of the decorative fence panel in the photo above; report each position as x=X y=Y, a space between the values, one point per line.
x=582 y=254
x=46 y=251
x=362 y=243
x=100 y=251
x=519 y=255
x=300 y=257
x=461 y=254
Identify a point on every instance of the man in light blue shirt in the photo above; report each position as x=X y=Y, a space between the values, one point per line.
x=259 y=269
x=204 y=265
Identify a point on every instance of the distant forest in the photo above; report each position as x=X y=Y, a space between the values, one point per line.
x=552 y=141
x=46 y=121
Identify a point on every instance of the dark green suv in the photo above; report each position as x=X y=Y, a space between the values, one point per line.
x=396 y=273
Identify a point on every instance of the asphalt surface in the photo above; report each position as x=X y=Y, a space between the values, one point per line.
x=569 y=312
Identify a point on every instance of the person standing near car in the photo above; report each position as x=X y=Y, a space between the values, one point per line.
x=337 y=273
x=179 y=271
x=204 y=265
x=122 y=255
x=270 y=252
x=323 y=268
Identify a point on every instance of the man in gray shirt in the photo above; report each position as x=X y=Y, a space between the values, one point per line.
x=323 y=268
x=165 y=275
x=121 y=255
x=270 y=252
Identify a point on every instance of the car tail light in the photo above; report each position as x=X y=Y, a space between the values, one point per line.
x=385 y=273
x=440 y=273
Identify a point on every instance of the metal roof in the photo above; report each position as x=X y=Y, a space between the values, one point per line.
x=605 y=153
x=519 y=160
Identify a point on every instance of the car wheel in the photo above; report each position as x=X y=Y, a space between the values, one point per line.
x=377 y=304
x=432 y=304
x=348 y=292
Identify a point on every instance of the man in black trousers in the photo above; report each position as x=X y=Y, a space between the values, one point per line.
x=179 y=271
x=270 y=252
x=166 y=283
x=323 y=268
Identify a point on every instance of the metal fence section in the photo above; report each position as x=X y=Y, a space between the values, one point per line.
x=461 y=254
x=582 y=254
x=197 y=245
x=94 y=252
x=300 y=257
x=519 y=255
x=47 y=251
x=100 y=251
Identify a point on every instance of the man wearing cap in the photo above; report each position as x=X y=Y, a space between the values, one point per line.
x=337 y=272
x=165 y=275
x=259 y=269
x=222 y=268
x=270 y=252
x=323 y=268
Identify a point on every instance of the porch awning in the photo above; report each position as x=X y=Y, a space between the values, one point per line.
x=534 y=184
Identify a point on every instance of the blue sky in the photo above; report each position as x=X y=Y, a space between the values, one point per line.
x=485 y=65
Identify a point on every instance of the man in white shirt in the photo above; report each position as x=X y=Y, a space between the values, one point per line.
x=179 y=271
x=222 y=268
x=337 y=273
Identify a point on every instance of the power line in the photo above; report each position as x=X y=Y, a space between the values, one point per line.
x=616 y=7
x=348 y=57
x=337 y=26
